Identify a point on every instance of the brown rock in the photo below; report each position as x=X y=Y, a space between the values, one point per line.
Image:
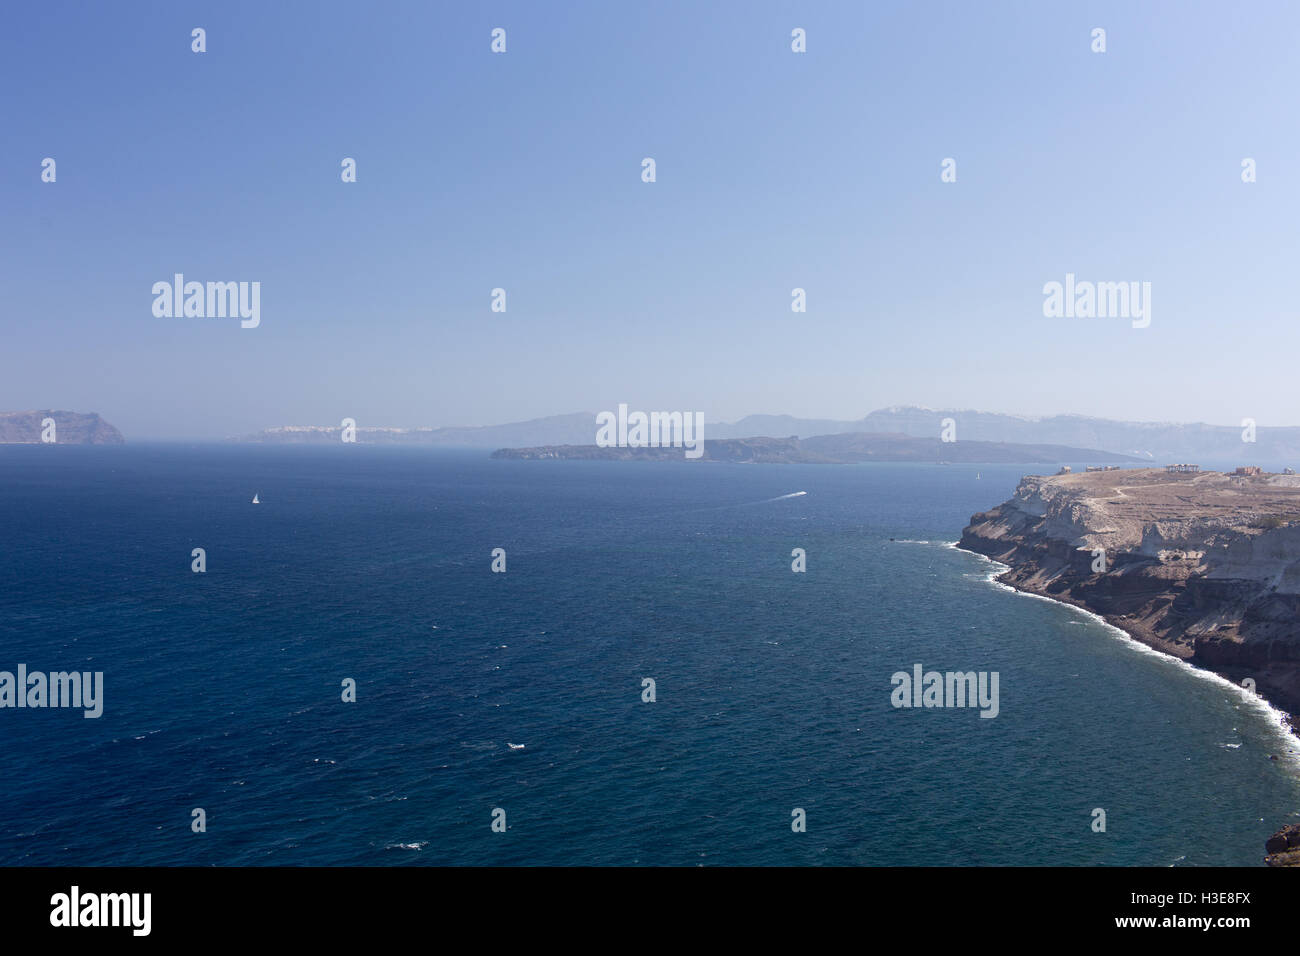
x=1284 y=846
x=1286 y=858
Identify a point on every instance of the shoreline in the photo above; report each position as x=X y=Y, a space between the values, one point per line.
x=1287 y=719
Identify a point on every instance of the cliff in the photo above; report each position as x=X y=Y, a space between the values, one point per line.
x=1283 y=847
x=1202 y=566
x=70 y=428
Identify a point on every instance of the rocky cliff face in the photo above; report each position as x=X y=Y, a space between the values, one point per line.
x=1283 y=847
x=70 y=428
x=1203 y=566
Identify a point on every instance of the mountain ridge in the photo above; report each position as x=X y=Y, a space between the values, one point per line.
x=1154 y=441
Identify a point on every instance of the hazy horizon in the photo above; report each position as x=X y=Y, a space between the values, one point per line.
x=775 y=171
x=733 y=421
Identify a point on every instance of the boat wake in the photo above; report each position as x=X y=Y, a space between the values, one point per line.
x=748 y=504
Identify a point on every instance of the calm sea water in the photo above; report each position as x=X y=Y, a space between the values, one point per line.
x=773 y=688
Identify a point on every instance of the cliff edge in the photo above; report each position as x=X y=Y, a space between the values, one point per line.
x=1205 y=566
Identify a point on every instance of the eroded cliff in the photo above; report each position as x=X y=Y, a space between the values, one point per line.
x=1204 y=566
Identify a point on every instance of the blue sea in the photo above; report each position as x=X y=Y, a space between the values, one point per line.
x=223 y=690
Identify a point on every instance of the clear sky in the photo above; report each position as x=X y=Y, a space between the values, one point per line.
x=522 y=171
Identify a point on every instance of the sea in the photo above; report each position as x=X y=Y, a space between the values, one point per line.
x=647 y=682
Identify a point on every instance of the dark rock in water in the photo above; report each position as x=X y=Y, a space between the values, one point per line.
x=1286 y=838
x=1284 y=846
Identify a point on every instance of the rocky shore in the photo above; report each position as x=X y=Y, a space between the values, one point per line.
x=1283 y=847
x=1202 y=566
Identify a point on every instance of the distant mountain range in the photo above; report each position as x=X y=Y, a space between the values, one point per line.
x=849 y=448
x=1159 y=442
x=575 y=429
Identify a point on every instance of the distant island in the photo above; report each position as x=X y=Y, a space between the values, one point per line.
x=70 y=428
x=574 y=429
x=1150 y=441
x=841 y=449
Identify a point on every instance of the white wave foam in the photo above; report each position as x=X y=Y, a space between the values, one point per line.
x=1276 y=719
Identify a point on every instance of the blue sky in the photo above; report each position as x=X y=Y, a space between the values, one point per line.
x=523 y=171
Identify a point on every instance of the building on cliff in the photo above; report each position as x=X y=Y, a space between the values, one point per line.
x=1183 y=469
x=1248 y=470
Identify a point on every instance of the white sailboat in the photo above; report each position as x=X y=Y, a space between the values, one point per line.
x=255 y=501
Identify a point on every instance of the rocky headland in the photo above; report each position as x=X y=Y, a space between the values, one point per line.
x=1204 y=566
x=70 y=428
